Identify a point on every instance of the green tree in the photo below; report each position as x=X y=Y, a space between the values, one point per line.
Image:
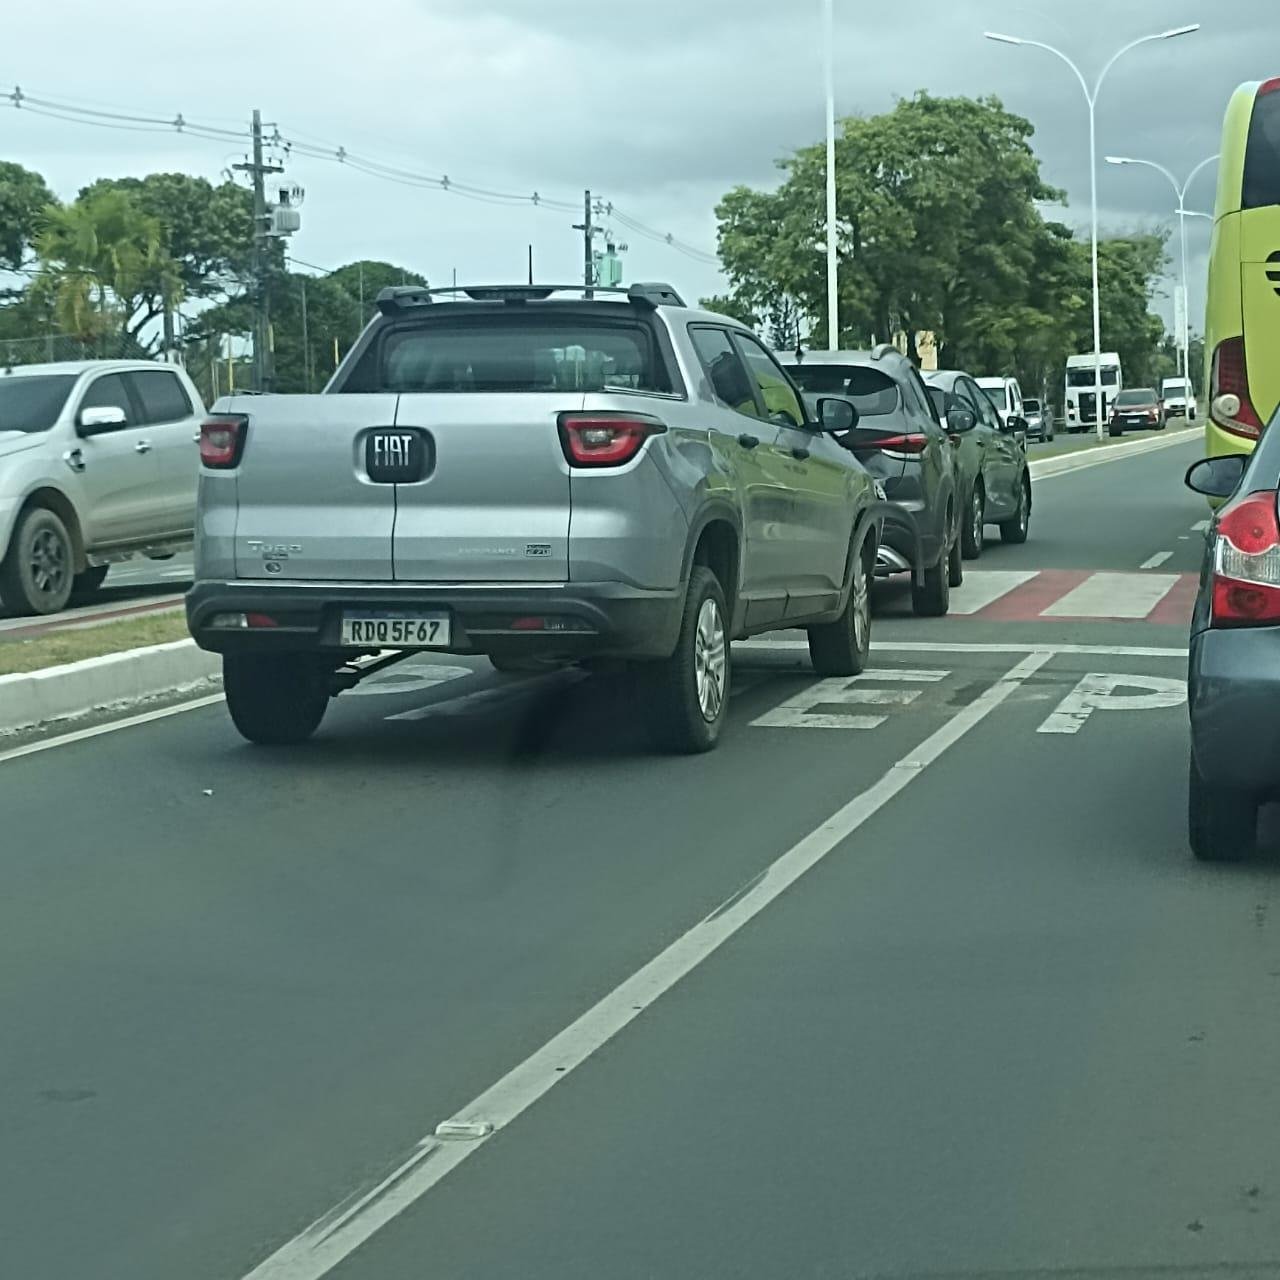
x=24 y=198
x=364 y=279
x=103 y=264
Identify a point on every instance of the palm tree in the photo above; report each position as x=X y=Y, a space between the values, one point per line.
x=99 y=258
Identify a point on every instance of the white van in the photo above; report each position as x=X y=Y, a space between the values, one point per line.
x=1178 y=399
x=1081 y=413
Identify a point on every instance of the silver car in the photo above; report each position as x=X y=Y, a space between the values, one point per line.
x=541 y=478
x=98 y=463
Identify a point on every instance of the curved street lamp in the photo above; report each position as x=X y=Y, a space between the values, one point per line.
x=1179 y=190
x=1091 y=97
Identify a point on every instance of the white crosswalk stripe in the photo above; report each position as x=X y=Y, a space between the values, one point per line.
x=985 y=586
x=1113 y=595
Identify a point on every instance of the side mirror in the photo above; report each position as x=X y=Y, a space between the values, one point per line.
x=94 y=421
x=1216 y=477
x=836 y=414
x=1015 y=423
x=961 y=420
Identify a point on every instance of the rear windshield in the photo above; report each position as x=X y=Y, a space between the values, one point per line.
x=1032 y=405
x=1084 y=377
x=1139 y=395
x=33 y=403
x=1262 y=155
x=512 y=353
x=874 y=393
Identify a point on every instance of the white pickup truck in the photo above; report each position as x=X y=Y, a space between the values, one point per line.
x=98 y=463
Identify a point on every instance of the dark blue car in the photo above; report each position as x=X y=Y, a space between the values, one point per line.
x=1234 y=674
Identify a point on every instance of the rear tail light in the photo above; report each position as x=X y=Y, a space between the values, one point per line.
x=896 y=445
x=1269 y=86
x=222 y=440
x=1246 y=563
x=605 y=439
x=1229 y=403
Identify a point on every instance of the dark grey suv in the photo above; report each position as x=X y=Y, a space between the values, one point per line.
x=902 y=442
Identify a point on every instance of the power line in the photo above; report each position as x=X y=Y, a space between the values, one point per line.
x=295 y=141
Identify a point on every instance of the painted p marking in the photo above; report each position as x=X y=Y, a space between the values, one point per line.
x=1097 y=692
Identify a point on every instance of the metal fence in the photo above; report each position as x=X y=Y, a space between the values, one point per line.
x=57 y=347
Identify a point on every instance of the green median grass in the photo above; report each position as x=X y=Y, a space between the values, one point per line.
x=1061 y=444
x=54 y=649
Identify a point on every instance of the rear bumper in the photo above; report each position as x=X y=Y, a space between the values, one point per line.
x=1233 y=694
x=589 y=619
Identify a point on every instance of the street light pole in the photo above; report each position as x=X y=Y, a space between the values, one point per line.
x=1180 y=191
x=833 y=268
x=1091 y=97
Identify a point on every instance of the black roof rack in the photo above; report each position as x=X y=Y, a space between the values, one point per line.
x=396 y=297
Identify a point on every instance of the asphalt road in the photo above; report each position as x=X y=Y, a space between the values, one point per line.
x=914 y=977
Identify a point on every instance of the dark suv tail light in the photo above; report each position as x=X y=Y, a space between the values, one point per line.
x=896 y=445
x=605 y=439
x=222 y=440
x=1246 y=563
x=1229 y=376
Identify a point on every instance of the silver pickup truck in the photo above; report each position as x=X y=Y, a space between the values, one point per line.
x=98 y=463
x=542 y=479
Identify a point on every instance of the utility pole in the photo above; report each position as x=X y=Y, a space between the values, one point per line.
x=260 y=261
x=306 y=339
x=588 y=237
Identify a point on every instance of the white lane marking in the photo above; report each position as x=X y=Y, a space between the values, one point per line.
x=1155 y=561
x=1113 y=595
x=937 y=646
x=410 y=679
x=801 y=711
x=315 y=1251
x=66 y=739
x=1097 y=692
x=1184 y=537
x=1200 y=526
x=931 y=674
x=982 y=587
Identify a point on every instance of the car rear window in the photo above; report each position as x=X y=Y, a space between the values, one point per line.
x=874 y=393
x=1262 y=155
x=512 y=354
x=33 y=402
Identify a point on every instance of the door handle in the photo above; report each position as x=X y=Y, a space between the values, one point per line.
x=143 y=446
x=748 y=441
x=798 y=451
x=74 y=458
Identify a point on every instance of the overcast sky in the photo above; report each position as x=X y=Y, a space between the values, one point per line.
x=658 y=105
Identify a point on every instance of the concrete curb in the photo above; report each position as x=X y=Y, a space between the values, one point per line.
x=97 y=684
x=1043 y=468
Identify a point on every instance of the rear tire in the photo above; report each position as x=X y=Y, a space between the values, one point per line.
x=841 y=648
x=1113 y=432
x=1222 y=824
x=686 y=695
x=932 y=597
x=87 y=583
x=973 y=534
x=1018 y=525
x=274 y=699
x=36 y=574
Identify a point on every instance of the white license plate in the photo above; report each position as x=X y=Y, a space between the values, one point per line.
x=396 y=628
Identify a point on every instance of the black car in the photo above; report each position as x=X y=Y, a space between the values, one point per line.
x=1233 y=680
x=995 y=485
x=901 y=440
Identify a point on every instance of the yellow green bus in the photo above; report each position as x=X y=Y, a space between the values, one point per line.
x=1242 y=315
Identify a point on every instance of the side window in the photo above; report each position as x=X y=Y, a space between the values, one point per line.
x=921 y=396
x=162 y=395
x=729 y=379
x=111 y=392
x=986 y=410
x=781 y=403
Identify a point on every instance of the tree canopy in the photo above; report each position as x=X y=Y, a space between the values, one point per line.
x=938 y=229
x=24 y=199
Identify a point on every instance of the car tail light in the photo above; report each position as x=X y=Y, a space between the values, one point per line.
x=1269 y=86
x=1246 y=563
x=908 y=443
x=1230 y=405
x=605 y=439
x=222 y=440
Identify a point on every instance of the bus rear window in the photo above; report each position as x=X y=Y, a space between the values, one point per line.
x=505 y=353
x=1262 y=155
